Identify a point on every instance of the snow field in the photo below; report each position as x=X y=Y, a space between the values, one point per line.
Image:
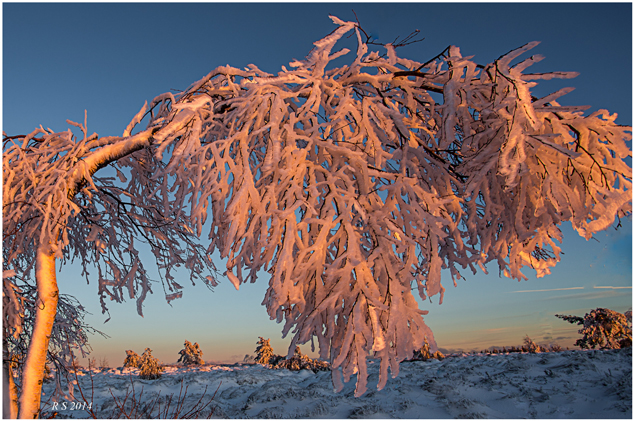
x=569 y=384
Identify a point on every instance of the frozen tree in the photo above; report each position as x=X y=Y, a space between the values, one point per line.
x=352 y=186
x=531 y=346
x=54 y=210
x=424 y=353
x=191 y=354
x=132 y=359
x=149 y=367
x=604 y=328
x=264 y=352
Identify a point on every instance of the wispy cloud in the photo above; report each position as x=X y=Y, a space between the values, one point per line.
x=610 y=287
x=496 y=330
x=547 y=290
x=602 y=293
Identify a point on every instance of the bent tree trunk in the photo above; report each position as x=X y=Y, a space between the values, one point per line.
x=48 y=293
x=33 y=372
x=107 y=150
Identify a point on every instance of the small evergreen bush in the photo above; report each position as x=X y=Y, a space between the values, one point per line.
x=132 y=359
x=150 y=367
x=264 y=353
x=191 y=354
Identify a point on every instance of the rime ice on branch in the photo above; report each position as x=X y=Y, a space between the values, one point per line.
x=351 y=186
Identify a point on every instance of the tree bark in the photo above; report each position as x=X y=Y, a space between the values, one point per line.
x=33 y=371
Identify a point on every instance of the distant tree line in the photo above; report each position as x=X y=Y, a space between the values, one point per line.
x=602 y=328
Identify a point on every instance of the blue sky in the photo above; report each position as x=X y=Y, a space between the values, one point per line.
x=62 y=59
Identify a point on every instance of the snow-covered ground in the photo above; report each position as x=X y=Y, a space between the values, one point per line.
x=569 y=384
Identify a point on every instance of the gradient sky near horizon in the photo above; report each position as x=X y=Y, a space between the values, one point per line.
x=108 y=59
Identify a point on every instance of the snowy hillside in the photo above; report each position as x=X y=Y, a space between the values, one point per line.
x=569 y=384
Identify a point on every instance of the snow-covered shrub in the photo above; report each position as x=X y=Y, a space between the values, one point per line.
x=555 y=348
x=131 y=359
x=150 y=367
x=602 y=327
x=191 y=354
x=319 y=365
x=300 y=361
x=531 y=346
x=424 y=353
x=264 y=353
